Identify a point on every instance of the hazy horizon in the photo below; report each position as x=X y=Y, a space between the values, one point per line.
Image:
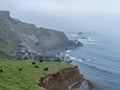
x=73 y=14
x=100 y=6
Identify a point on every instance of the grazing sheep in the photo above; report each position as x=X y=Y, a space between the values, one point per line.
x=1 y=70
x=33 y=63
x=36 y=66
x=41 y=61
x=76 y=66
x=20 y=69
x=45 y=69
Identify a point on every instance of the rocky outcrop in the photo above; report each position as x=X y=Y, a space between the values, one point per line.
x=66 y=79
x=78 y=43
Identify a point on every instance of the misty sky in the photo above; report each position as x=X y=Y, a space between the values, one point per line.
x=58 y=14
x=100 y=6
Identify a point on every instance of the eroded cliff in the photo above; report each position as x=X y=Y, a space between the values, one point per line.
x=66 y=79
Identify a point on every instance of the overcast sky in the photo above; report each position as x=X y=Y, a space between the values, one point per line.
x=100 y=6
x=61 y=13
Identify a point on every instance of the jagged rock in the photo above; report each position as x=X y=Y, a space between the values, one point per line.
x=78 y=43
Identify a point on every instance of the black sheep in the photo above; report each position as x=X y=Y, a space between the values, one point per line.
x=20 y=69
x=1 y=70
x=33 y=63
x=36 y=66
x=45 y=69
x=41 y=61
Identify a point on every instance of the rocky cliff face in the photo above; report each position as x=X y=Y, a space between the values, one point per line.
x=18 y=37
x=66 y=79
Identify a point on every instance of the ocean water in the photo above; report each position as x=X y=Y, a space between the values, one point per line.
x=99 y=58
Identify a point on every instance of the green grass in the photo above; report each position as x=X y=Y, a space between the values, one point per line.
x=13 y=79
x=5 y=53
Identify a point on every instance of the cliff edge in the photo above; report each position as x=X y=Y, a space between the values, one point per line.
x=67 y=79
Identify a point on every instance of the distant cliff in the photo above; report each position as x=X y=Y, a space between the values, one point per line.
x=18 y=38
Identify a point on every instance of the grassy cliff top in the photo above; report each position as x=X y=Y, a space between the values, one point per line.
x=13 y=79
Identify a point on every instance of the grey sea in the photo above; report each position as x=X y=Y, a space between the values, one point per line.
x=99 y=58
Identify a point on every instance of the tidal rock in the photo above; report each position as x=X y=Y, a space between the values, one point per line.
x=78 y=43
x=80 y=33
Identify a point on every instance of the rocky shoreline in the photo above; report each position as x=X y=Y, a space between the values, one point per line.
x=53 y=55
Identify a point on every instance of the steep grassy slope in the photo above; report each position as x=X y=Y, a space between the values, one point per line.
x=26 y=79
